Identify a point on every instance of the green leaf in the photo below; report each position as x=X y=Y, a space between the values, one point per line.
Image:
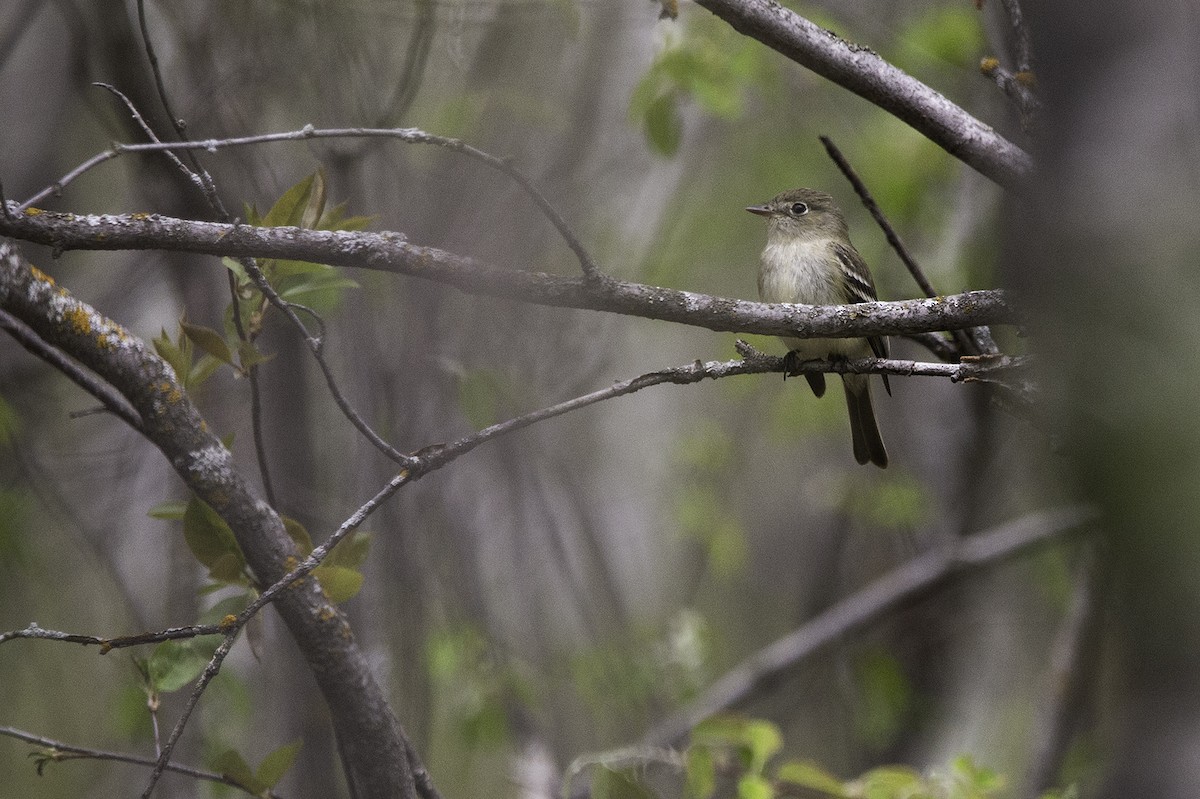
x=238 y=270
x=339 y=582
x=662 y=125
x=610 y=784
x=297 y=532
x=315 y=207
x=173 y=355
x=276 y=764
x=351 y=551
x=228 y=568
x=886 y=697
x=763 y=739
x=321 y=292
x=887 y=781
x=809 y=775
x=171 y=509
x=174 y=664
x=752 y=786
x=229 y=606
x=249 y=355
x=233 y=765
x=202 y=369
x=290 y=207
x=207 y=535
x=208 y=340
x=700 y=773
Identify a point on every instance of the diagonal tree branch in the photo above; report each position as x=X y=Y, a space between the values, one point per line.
x=886 y=593
x=863 y=72
x=390 y=252
x=373 y=743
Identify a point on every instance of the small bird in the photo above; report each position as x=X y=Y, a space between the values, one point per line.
x=809 y=259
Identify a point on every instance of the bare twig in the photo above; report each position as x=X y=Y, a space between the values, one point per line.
x=141 y=122
x=59 y=751
x=1022 y=41
x=889 y=232
x=408 y=135
x=965 y=343
x=1071 y=662
x=865 y=606
x=1018 y=87
x=111 y=399
x=120 y=642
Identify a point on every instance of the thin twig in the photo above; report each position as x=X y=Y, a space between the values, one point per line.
x=106 y=645
x=1022 y=40
x=112 y=400
x=59 y=751
x=965 y=343
x=408 y=135
x=1071 y=663
x=189 y=173
x=1018 y=87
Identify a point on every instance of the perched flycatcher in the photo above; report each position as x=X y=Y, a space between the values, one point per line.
x=809 y=259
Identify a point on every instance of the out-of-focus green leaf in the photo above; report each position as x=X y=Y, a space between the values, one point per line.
x=897 y=502
x=950 y=33
x=249 y=355
x=886 y=697
x=753 y=786
x=171 y=509
x=234 y=766
x=276 y=764
x=809 y=775
x=610 y=784
x=886 y=782
x=763 y=740
x=700 y=773
x=174 y=664
x=208 y=536
x=663 y=125
x=339 y=582
x=351 y=551
x=298 y=533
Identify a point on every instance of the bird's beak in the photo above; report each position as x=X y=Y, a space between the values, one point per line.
x=761 y=210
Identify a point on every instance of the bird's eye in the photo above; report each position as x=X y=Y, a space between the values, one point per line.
x=799 y=209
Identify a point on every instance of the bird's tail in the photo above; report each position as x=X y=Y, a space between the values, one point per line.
x=868 y=444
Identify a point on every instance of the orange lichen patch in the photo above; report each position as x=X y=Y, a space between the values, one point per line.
x=1027 y=79
x=79 y=320
x=38 y=274
x=327 y=613
x=139 y=216
x=988 y=65
x=34 y=212
x=227 y=622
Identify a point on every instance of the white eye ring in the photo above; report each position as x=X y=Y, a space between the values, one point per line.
x=798 y=209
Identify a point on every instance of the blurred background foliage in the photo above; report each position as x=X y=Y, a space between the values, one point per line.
x=561 y=590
